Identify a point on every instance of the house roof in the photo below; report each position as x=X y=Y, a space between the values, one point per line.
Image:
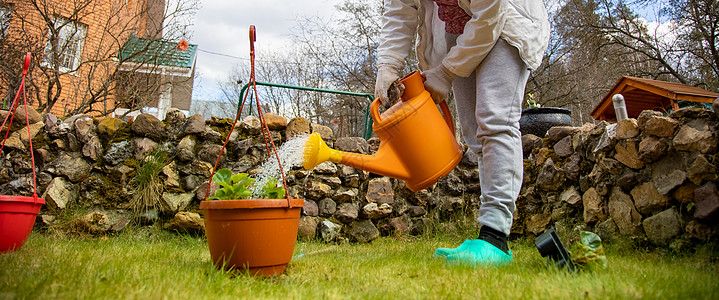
x=646 y=94
x=157 y=52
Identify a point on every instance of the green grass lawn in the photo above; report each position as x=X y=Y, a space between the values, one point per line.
x=142 y=264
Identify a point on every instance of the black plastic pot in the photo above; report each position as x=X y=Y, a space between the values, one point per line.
x=551 y=247
x=537 y=121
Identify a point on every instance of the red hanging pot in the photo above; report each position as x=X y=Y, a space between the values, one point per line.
x=17 y=217
x=18 y=213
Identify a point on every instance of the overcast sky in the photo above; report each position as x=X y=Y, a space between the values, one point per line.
x=222 y=26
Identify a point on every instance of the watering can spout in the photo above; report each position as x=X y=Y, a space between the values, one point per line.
x=384 y=162
x=417 y=144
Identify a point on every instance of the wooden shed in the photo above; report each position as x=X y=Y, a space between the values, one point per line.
x=647 y=94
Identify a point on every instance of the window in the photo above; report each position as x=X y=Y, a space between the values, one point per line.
x=64 y=49
x=5 y=14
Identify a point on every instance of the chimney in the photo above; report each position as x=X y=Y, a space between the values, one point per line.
x=155 y=18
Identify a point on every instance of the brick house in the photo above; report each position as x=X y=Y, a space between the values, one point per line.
x=100 y=57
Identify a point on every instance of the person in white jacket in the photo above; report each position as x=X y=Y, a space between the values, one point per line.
x=484 y=51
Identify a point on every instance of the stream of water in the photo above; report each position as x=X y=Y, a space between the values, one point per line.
x=291 y=155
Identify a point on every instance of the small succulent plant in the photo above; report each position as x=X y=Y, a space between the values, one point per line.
x=239 y=186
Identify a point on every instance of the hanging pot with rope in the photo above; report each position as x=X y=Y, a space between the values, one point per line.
x=253 y=235
x=18 y=213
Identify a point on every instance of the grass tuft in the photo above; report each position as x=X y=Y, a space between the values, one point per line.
x=147 y=183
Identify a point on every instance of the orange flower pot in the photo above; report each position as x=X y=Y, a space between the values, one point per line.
x=257 y=235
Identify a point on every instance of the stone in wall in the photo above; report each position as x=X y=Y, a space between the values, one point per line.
x=668 y=174
x=701 y=170
x=325 y=132
x=119 y=152
x=695 y=136
x=92 y=150
x=563 y=148
x=654 y=123
x=707 y=202
x=32 y=116
x=344 y=195
x=623 y=212
x=363 y=231
x=379 y=190
x=570 y=196
x=185 y=149
x=108 y=127
x=186 y=222
x=329 y=231
x=74 y=168
x=399 y=225
x=297 y=126
x=175 y=202
x=652 y=148
x=352 y=144
x=147 y=125
x=374 y=211
x=210 y=153
x=662 y=227
x=550 y=178
x=538 y=223
x=327 y=207
x=310 y=209
x=529 y=142
x=84 y=128
x=647 y=199
x=627 y=129
x=59 y=193
x=307 y=227
x=626 y=153
x=275 y=122
x=593 y=209
x=316 y=190
x=347 y=213
x=699 y=231
x=143 y=147
x=195 y=124
x=326 y=168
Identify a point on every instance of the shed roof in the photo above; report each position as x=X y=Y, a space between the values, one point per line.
x=157 y=52
x=647 y=94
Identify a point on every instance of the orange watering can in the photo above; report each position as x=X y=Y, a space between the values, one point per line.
x=417 y=145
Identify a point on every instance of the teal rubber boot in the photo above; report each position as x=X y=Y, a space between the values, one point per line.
x=475 y=252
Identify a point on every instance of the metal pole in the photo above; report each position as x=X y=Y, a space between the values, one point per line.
x=368 y=121
x=620 y=107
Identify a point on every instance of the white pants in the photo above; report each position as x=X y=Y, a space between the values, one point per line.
x=489 y=105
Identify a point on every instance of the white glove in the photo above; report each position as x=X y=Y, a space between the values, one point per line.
x=386 y=75
x=438 y=81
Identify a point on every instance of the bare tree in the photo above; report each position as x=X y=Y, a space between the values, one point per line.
x=595 y=42
x=342 y=53
x=282 y=68
x=80 y=72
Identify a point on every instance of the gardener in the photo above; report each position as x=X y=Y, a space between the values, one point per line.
x=484 y=50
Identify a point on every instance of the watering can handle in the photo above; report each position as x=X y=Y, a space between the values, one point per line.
x=374 y=110
x=447 y=115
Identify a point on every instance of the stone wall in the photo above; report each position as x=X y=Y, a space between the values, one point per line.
x=653 y=178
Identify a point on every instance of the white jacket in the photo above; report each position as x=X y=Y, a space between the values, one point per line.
x=522 y=23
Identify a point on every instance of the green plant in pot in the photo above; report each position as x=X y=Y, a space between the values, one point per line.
x=256 y=235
